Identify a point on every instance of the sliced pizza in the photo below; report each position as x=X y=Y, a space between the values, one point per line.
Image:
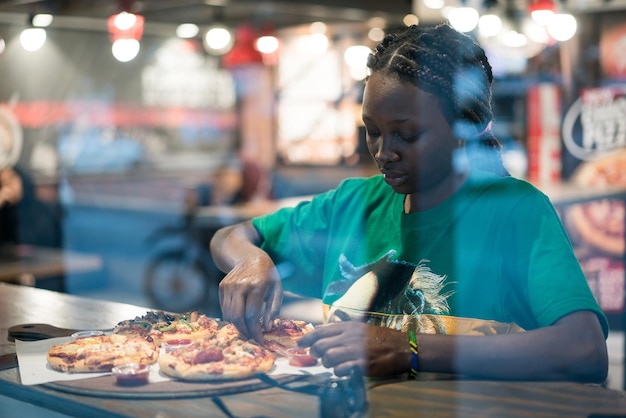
x=217 y=359
x=287 y=331
x=101 y=353
x=160 y=326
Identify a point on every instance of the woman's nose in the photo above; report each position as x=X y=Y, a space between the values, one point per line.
x=385 y=152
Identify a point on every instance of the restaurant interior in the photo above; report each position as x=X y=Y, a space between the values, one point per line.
x=140 y=127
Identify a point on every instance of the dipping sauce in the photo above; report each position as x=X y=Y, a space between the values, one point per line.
x=299 y=357
x=172 y=345
x=131 y=374
x=85 y=334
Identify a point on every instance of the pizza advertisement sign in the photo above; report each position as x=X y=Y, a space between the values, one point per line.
x=594 y=132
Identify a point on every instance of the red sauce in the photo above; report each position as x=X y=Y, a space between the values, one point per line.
x=301 y=358
x=134 y=374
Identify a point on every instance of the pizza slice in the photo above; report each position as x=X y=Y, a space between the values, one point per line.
x=216 y=358
x=101 y=353
x=287 y=331
x=161 y=326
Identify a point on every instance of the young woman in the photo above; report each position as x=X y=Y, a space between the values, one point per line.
x=443 y=263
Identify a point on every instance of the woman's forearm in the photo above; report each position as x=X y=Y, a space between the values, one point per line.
x=234 y=243
x=568 y=350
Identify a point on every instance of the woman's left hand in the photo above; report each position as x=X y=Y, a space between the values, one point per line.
x=377 y=351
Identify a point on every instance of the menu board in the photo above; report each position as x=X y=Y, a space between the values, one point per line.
x=594 y=132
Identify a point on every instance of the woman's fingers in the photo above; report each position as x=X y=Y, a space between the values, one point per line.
x=250 y=302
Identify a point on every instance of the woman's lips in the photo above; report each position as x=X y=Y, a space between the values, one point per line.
x=395 y=179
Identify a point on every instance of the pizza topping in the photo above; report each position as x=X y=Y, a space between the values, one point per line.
x=209 y=355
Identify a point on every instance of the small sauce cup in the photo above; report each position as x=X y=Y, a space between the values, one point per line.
x=299 y=357
x=172 y=345
x=131 y=374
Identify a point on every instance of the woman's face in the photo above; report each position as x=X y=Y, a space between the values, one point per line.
x=407 y=134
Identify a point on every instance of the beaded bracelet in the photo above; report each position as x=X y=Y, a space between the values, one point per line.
x=414 y=355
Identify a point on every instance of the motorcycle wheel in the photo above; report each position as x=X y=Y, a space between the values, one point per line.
x=174 y=284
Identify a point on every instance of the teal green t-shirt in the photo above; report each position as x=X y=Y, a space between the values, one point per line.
x=495 y=251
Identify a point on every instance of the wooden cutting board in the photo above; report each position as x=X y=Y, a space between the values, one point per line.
x=107 y=387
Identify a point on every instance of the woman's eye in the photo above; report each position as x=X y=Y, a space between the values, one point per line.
x=373 y=134
x=409 y=138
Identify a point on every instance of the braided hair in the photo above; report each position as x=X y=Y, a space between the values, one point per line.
x=453 y=68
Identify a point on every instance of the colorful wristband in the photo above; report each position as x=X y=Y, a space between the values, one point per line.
x=414 y=355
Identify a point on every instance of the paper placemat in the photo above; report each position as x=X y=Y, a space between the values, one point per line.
x=34 y=369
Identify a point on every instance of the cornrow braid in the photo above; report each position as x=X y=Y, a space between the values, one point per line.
x=453 y=68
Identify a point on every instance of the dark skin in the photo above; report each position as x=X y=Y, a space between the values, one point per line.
x=413 y=146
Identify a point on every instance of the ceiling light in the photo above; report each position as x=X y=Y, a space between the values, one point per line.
x=434 y=4
x=489 y=25
x=42 y=20
x=376 y=34
x=541 y=11
x=356 y=58
x=125 y=50
x=514 y=39
x=32 y=39
x=125 y=31
x=463 y=19
x=187 y=30
x=267 y=44
x=410 y=19
x=218 y=40
x=243 y=52
x=562 y=26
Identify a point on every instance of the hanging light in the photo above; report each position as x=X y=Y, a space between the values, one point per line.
x=541 y=11
x=218 y=40
x=243 y=51
x=187 y=30
x=463 y=19
x=356 y=58
x=125 y=32
x=34 y=36
x=32 y=39
x=267 y=44
x=562 y=26
x=318 y=40
x=489 y=25
x=42 y=20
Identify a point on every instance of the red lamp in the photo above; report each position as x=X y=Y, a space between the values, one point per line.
x=244 y=51
x=125 y=25
x=541 y=10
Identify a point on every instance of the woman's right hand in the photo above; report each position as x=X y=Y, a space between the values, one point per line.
x=251 y=295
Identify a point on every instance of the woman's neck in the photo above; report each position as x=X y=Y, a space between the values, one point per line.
x=428 y=199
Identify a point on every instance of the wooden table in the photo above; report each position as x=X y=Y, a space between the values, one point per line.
x=27 y=264
x=429 y=395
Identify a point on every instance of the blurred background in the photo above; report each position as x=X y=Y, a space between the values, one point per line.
x=140 y=127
